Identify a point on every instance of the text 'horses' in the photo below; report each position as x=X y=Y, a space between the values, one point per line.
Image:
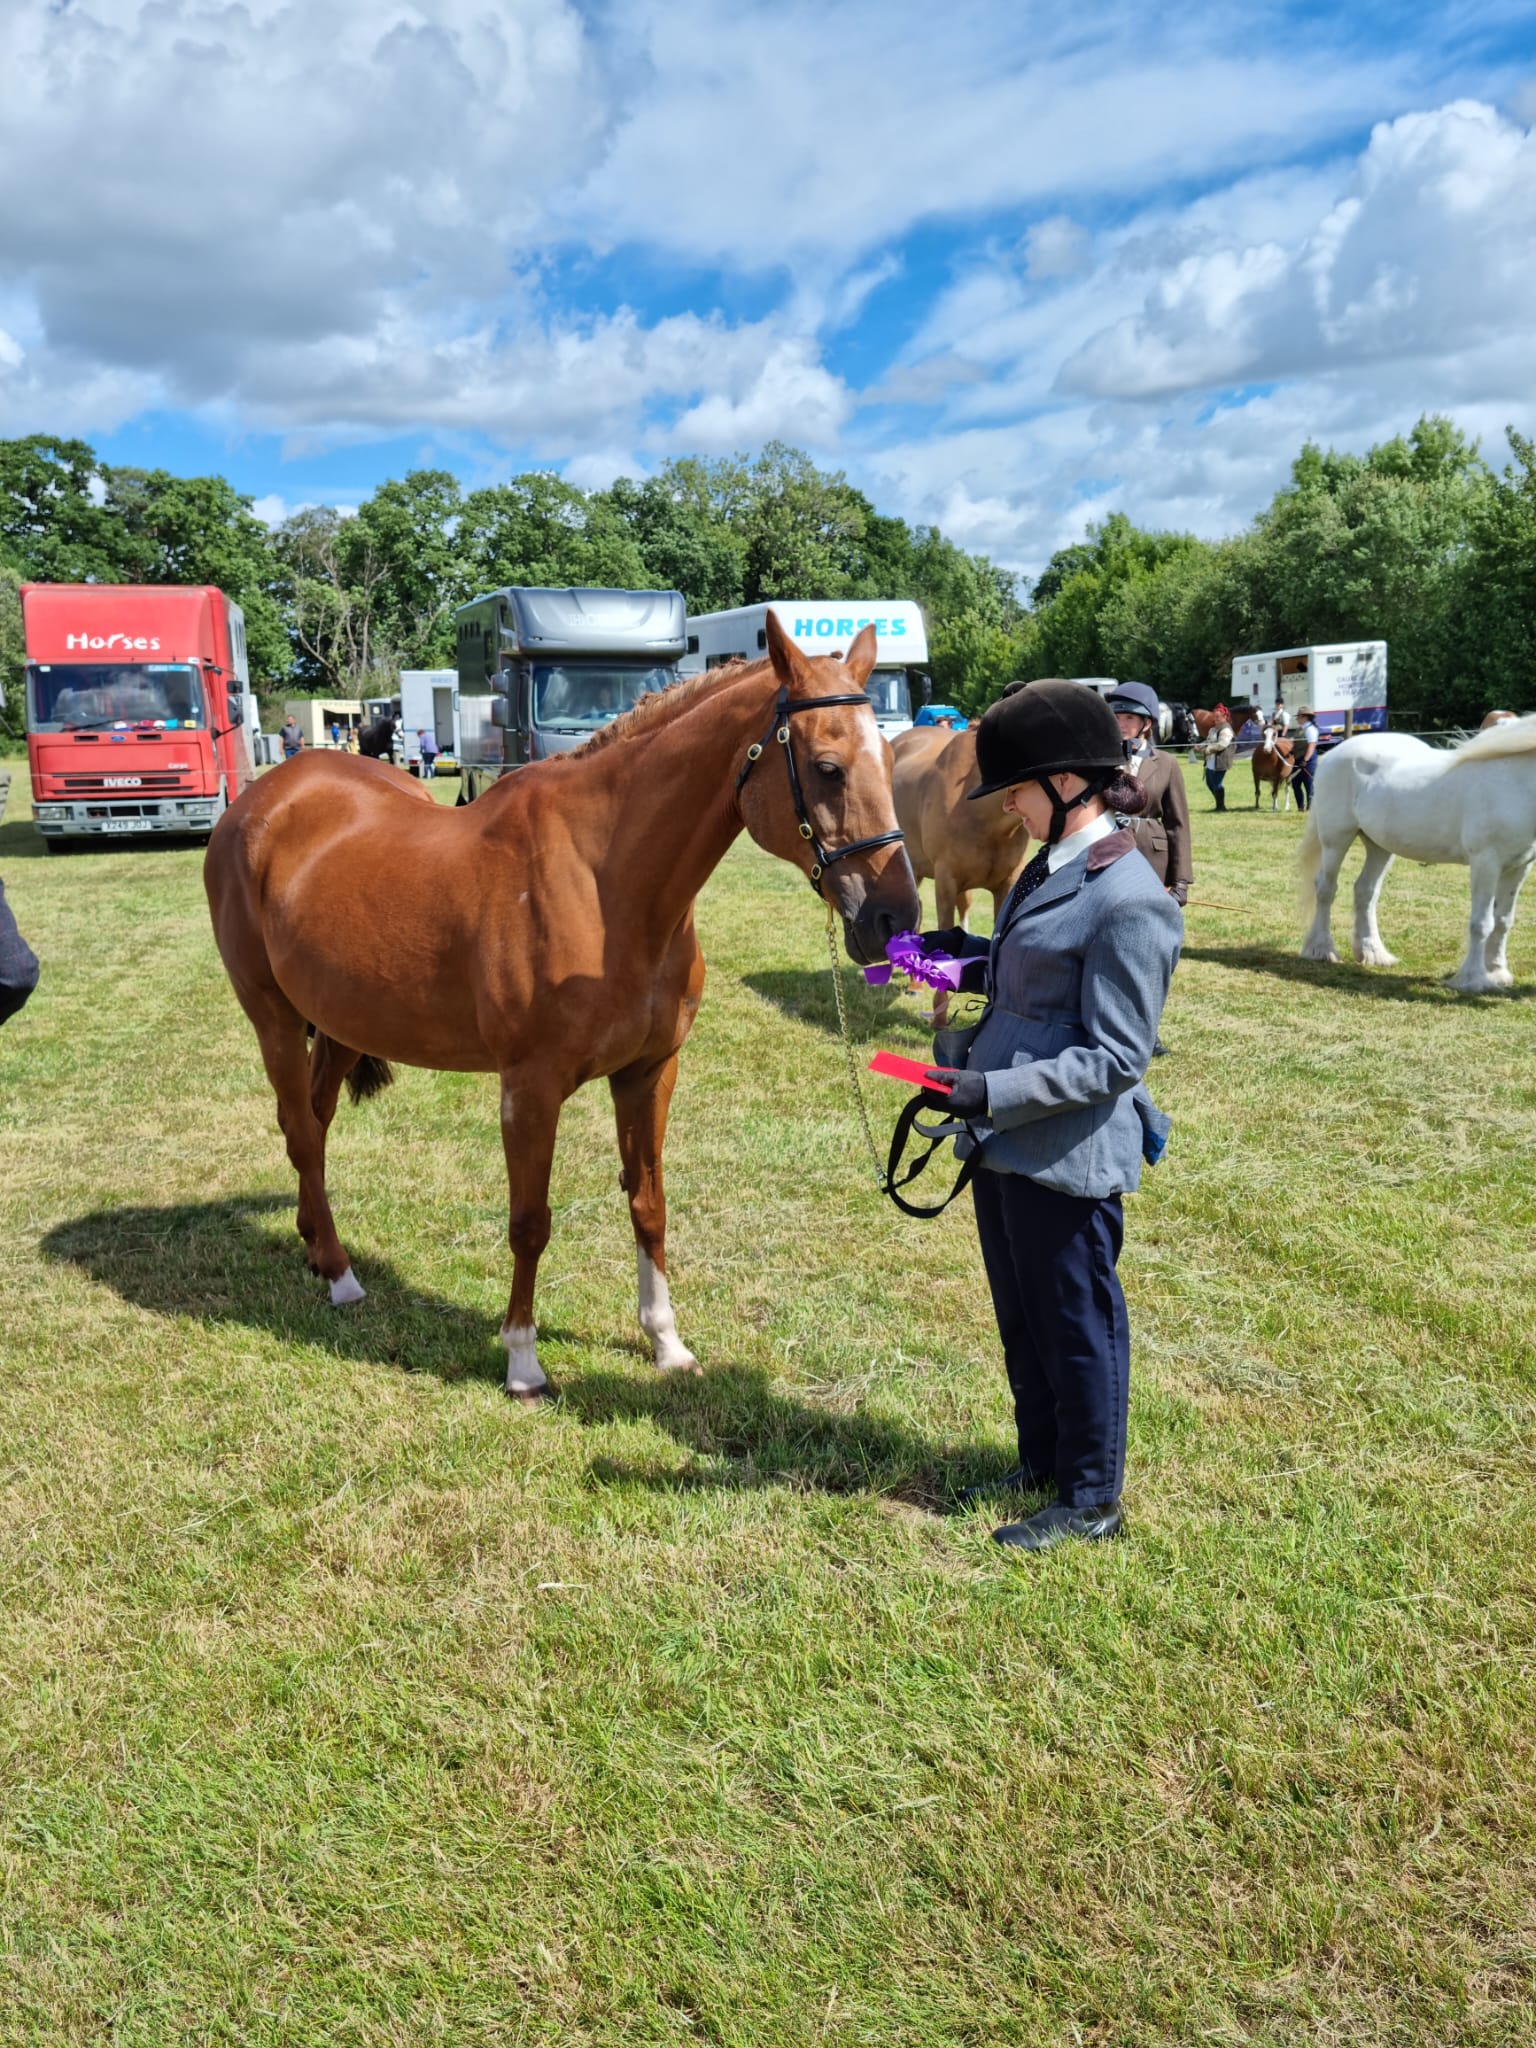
x=544 y=933
x=1474 y=804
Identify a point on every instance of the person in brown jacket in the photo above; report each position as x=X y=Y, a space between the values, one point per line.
x=1162 y=830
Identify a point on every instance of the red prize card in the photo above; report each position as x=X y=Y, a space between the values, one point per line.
x=913 y=1072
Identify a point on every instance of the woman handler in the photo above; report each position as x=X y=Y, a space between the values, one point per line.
x=1077 y=973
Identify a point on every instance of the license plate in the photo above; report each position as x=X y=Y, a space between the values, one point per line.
x=121 y=825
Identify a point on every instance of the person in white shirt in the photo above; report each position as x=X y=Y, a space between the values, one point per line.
x=1305 y=762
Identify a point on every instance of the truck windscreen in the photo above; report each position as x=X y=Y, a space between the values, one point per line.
x=580 y=696
x=887 y=690
x=75 y=696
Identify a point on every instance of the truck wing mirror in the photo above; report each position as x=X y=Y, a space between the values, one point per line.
x=236 y=710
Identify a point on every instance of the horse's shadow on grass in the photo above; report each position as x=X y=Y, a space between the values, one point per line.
x=1383 y=984
x=219 y=1263
x=887 y=1013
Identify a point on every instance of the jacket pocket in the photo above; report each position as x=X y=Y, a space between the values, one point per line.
x=1007 y=1039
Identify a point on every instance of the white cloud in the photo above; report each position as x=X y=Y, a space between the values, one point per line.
x=1178 y=374
x=354 y=219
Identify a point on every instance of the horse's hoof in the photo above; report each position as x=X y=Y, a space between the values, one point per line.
x=1375 y=956
x=345 y=1290
x=530 y=1397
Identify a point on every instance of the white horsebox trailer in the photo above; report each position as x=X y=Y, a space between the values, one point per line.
x=899 y=682
x=1342 y=683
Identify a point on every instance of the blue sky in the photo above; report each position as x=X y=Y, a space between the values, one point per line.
x=1011 y=266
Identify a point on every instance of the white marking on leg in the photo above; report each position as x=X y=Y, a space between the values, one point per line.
x=524 y=1373
x=346 y=1289
x=668 y=1352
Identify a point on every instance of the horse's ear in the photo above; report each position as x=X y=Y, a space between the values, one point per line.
x=789 y=664
x=860 y=658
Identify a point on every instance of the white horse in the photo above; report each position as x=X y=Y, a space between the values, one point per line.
x=1475 y=804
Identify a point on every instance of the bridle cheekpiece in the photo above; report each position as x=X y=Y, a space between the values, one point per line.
x=778 y=730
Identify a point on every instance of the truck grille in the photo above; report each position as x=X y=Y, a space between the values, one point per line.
x=112 y=786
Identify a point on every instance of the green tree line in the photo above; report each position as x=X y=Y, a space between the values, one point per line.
x=1418 y=542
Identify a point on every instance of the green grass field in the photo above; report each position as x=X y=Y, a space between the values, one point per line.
x=343 y=1701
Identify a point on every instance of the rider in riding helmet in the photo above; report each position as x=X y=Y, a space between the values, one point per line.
x=1051 y=1084
x=1162 y=830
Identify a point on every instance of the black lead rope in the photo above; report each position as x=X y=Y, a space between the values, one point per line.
x=779 y=730
x=895 y=1180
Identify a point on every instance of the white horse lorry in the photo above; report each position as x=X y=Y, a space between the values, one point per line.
x=540 y=670
x=1343 y=683
x=899 y=682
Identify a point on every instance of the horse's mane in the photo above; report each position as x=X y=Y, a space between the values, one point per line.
x=660 y=707
x=1517 y=737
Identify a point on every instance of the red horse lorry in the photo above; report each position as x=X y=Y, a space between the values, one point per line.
x=140 y=716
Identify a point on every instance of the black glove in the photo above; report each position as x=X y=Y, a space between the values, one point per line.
x=950 y=940
x=967 y=1096
x=1180 y=893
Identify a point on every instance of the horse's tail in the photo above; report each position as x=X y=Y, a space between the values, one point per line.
x=1309 y=858
x=367 y=1077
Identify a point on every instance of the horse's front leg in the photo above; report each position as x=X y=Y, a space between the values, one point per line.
x=642 y=1095
x=530 y=1116
x=1472 y=976
x=1507 y=895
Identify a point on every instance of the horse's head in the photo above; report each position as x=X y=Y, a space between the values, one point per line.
x=842 y=767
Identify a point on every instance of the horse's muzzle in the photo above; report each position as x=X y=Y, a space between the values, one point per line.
x=887 y=907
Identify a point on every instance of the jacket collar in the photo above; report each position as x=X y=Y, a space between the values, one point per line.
x=1112 y=847
x=1069 y=879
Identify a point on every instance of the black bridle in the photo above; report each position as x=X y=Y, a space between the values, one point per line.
x=779 y=730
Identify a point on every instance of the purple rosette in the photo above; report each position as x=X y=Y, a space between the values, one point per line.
x=904 y=955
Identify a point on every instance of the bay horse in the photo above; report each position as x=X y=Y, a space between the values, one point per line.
x=960 y=846
x=545 y=932
x=1474 y=804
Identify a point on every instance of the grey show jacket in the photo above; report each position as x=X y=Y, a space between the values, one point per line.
x=1077 y=979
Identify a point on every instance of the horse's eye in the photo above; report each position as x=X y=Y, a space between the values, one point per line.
x=830 y=770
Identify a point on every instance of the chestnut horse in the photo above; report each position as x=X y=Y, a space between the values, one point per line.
x=545 y=932
x=962 y=846
x=1272 y=763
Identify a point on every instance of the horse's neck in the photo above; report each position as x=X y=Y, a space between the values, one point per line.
x=673 y=793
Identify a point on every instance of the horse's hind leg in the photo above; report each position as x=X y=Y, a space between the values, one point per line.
x=641 y=1098
x=530 y=1117
x=1318 y=943
x=1369 y=950
x=1508 y=894
x=1472 y=976
x=285 y=1054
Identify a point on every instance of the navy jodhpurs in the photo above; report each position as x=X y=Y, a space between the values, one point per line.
x=1050 y=1261
x=1301 y=784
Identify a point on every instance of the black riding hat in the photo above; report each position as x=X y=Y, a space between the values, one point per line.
x=1046 y=728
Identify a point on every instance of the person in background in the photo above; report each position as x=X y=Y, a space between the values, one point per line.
x=291 y=737
x=1052 y=1089
x=1220 y=751
x=1305 y=766
x=1280 y=718
x=940 y=714
x=1162 y=830
x=335 y=733
x=428 y=744
x=18 y=963
x=1250 y=737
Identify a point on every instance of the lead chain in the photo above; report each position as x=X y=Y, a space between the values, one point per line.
x=881 y=1177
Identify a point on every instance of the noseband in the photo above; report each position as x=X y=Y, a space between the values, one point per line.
x=779 y=730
